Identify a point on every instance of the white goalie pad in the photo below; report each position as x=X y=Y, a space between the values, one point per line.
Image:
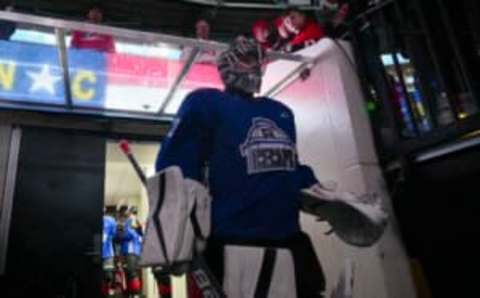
x=357 y=220
x=243 y=270
x=176 y=206
x=344 y=287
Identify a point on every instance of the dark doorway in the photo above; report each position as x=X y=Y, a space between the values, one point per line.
x=54 y=248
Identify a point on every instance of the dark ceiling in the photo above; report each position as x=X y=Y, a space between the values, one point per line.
x=172 y=17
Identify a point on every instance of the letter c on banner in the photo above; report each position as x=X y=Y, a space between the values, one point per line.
x=78 y=89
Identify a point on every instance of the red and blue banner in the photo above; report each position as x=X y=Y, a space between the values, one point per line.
x=32 y=73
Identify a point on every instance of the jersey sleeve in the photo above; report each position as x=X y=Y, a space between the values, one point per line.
x=128 y=234
x=187 y=144
x=114 y=229
x=111 y=229
x=304 y=174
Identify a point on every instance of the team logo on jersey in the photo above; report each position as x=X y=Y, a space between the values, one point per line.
x=268 y=148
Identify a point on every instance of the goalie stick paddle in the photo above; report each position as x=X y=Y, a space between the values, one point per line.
x=199 y=272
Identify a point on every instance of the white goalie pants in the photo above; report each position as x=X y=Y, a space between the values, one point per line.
x=288 y=268
x=256 y=272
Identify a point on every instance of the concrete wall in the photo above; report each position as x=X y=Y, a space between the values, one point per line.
x=334 y=137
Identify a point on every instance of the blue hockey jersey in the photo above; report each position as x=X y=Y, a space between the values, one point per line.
x=130 y=241
x=109 y=232
x=249 y=145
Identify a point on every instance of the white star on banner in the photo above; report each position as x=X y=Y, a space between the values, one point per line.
x=43 y=80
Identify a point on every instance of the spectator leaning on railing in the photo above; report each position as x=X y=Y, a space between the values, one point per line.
x=92 y=40
x=267 y=35
x=301 y=29
x=202 y=29
x=202 y=32
x=290 y=32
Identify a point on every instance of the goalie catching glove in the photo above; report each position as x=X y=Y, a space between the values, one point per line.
x=356 y=220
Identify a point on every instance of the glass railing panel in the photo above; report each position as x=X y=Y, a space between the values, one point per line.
x=82 y=67
x=126 y=75
x=203 y=73
x=30 y=69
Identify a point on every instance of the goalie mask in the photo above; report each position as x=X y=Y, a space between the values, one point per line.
x=240 y=66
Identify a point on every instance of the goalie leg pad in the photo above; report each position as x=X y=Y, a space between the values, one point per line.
x=176 y=206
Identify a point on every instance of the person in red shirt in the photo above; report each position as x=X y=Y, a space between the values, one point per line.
x=300 y=30
x=267 y=34
x=92 y=40
x=290 y=32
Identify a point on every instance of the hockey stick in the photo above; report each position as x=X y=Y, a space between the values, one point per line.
x=198 y=270
x=163 y=280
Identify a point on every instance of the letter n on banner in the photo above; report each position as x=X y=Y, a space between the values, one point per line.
x=7 y=75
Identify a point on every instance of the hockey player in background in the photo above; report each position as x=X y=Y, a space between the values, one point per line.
x=256 y=247
x=108 y=253
x=130 y=237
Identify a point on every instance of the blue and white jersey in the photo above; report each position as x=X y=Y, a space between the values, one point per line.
x=250 y=148
x=130 y=241
x=109 y=232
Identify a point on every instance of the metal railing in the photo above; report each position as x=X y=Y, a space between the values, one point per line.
x=61 y=28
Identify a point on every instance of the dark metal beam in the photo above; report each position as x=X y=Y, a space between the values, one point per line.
x=460 y=57
x=62 y=55
x=178 y=81
x=250 y=5
x=135 y=129
x=446 y=134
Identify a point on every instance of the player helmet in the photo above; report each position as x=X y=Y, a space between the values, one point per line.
x=240 y=66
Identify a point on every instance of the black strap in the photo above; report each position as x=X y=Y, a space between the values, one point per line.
x=195 y=224
x=156 y=217
x=266 y=273
x=309 y=276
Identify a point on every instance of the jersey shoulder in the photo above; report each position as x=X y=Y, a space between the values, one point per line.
x=278 y=105
x=205 y=93
x=109 y=219
x=203 y=98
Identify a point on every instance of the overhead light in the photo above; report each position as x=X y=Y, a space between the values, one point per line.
x=279 y=4
x=387 y=59
x=299 y=2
